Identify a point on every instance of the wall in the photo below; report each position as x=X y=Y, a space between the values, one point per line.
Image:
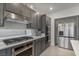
x=52 y=30
x=65 y=13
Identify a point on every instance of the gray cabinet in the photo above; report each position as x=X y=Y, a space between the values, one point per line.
x=42 y=22
x=18 y=8
x=1 y=14
x=13 y=16
x=39 y=46
x=2 y=52
x=26 y=11
x=14 y=7
x=42 y=44
x=6 y=52
x=34 y=22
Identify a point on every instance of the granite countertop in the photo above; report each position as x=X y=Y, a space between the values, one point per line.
x=4 y=46
x=75 y=45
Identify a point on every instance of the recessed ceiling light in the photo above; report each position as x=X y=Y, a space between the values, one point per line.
x=12 y=15
x=51 y=8
x=37 y=12
x=31 y=6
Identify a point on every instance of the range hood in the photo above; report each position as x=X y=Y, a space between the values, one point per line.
x=12 y=17
x=17 y=21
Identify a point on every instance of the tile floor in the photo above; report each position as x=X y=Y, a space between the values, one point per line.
x=56 y=51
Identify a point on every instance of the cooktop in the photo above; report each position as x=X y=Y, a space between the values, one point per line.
x=16 y=40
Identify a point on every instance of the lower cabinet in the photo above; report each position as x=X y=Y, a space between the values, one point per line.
x=39 y=46
x=6 y=52
x=43 y=44
x=2 y=52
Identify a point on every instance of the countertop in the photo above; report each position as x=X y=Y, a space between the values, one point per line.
x=75 y=45
x=4 y=46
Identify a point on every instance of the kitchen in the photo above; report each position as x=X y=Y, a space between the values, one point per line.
x=25 y=31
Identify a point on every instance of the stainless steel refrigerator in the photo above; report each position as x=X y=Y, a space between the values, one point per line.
x=65 y=34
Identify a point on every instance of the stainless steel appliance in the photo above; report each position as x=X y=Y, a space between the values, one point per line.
x=65 y=34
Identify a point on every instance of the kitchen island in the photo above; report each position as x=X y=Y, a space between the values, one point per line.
x=75 y=45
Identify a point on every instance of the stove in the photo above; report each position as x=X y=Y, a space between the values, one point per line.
x=27 y=37
x=16 y=40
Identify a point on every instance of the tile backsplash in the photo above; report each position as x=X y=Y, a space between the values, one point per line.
x=12 y=29
x=11 y=32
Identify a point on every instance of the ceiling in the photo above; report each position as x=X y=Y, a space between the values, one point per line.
x=44 y=8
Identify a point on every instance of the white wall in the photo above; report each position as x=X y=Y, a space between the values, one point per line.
x=65 y=13
x=52 y=30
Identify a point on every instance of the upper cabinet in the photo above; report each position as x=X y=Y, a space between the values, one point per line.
x=26 y=11
x=18 y=8
x=1 y=14
x=42 y=23
x=13 y=7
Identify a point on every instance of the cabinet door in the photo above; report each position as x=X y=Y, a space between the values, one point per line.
x=43 y=23
x=39 y=46
x=34 y=43
x=43 y=44
x=5 y=52
x=1 y=14
x=14 y=7
x=10 y=15
x=10 y=7
x=33 y=21
x=36 y=47
x=26 y=11
x=2 y=52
